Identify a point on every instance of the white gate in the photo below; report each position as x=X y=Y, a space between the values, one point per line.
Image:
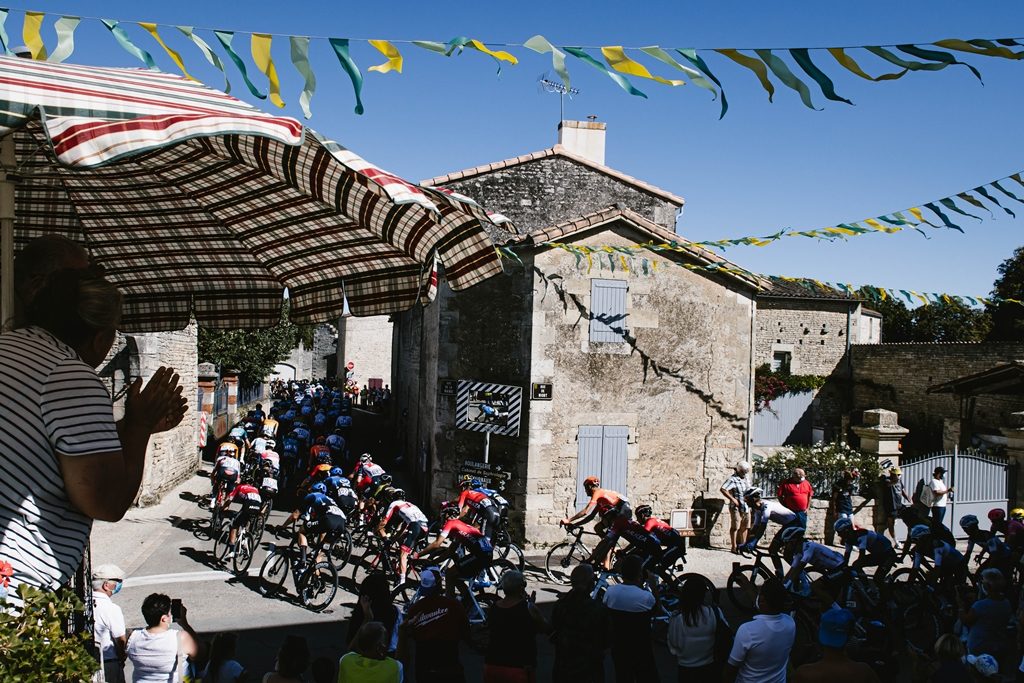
x=980 y=482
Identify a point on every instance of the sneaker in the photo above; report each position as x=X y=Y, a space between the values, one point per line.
x=481 y=584
x=231 y=554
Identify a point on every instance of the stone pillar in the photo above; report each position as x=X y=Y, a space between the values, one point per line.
x=880 y=435
x=230 y=380
x=208 y=383
x=1015 y=453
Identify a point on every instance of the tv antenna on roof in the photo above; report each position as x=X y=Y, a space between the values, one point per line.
x=562 y=90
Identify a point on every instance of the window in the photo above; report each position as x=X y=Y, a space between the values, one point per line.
x=601 y=453
x=781 y=361
x=608 y=310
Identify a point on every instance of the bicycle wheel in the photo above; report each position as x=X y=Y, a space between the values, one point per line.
x=221 y=543
x=243 y=556
x=906 y=588
x=273 y=572
x=340 y=550
x=318 y=586
x=563 y=558
x=370 y=561
x=921 y=627
x=513 y=554
x=744 y=583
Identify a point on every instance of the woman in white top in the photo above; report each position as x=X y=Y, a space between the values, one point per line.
x=939 y=494
x=691 y=635
x=155 y=651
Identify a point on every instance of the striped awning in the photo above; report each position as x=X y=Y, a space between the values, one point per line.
x=198 y=204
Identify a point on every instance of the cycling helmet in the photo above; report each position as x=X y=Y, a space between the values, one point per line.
x=591 y=481
x=843 y=525
x=318 y=488
x=321 y=468
x=643 y=512
x=449 y=509
x=753 y=492
x=324 y=459
x=792 y=533
x=996 y=514
x=365 y=457
x=337 y=472
x=1017 y=513
x=920 y=532
x=385 y=480
x=465 y=483
x=271 y=444
x=321 y=440
x=398 y=494
x=968 y=521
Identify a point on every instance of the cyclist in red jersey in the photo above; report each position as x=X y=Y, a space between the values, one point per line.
x=636 y=537
x=412 y=527
x=478 y=548
x=475 y=506
x=609 y=505
x=674 y=545
x=248 y=497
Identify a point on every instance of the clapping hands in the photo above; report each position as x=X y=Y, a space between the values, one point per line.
x=159 y=406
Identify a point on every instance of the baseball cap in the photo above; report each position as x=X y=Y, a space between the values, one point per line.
x=986 y=665
x=834 y=629
x=108 y=572
x=428 y=577
x=940 y=469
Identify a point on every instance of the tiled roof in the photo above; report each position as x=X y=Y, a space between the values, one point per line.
x=611 y=214
x=784 y=289
x=560 y=151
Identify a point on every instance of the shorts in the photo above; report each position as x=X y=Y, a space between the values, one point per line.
x=737 y=519
x=620 y=511
x=244 y=516
x=472 y=563
x=347 y=503
x=330 y=525
x=413 y=533
x=226 y=476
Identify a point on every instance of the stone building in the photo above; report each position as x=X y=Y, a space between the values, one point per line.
x=650 y=363
x=808 y=330
x=317 y=361
x=366 y=342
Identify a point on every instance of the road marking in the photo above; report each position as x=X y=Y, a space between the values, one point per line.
x=180 y=577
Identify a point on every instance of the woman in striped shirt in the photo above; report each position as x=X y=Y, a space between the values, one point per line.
x=65 y=462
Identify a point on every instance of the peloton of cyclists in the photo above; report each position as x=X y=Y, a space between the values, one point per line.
x=478 y=554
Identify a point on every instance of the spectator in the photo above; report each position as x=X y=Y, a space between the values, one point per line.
x=739 y=513
x=369 y=659
x=580 y=635
x=513 y=623
x=292 y=661
x=155 y=650
x=894 y=499
x=760 y=652
x=692 y=633
x=108 y=621
x=375 y=604
x=436 y=623
x=35 y=264
x=989 y=618
x=841 y=501
x=795 y=493
x=835 y=666
x=629 y=614
x=323 y=670
x=222 y=667
x=939 y=495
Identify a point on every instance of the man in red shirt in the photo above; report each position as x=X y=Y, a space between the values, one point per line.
x=795 y=493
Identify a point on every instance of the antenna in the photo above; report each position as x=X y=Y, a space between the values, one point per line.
x=562 y=90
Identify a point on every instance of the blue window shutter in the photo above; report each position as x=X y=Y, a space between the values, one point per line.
x=613 y=459
x=608 y=310
x=589 y=459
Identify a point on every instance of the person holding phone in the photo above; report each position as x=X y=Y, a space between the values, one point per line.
x=513 y=623
x=157 y=650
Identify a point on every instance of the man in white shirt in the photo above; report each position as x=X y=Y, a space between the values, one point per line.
x=629 y=607
x=761 y=649
x=108 y=629
x=939 y=494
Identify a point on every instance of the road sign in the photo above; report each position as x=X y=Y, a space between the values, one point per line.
x=492 y=476
x=693 y=520
x=449 y=387
x=485 y=407
x=541 y=392
x=350 y=365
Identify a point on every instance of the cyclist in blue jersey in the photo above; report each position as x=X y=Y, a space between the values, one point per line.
x=874 y=549
x=320 y=515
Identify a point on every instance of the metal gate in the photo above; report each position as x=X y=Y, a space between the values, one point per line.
x=980 y=482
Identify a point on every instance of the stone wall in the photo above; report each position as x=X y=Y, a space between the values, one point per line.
x=541 y=193
x=172 y=456
x=814 y=332
x=367 y=343
x=325 y=344
x=897 y=376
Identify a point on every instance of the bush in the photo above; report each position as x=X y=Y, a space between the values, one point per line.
x=824 y=465
x=33 y=644
x=769 y=385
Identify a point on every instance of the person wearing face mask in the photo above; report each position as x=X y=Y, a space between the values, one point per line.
x=157 y=652
x=108 y=627
x=795 y=493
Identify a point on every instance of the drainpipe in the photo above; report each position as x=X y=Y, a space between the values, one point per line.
x=750 y=393
x=849 y=360
x=8 y=165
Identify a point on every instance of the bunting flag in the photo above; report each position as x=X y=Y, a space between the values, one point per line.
x=623 y=259
x=800 y=69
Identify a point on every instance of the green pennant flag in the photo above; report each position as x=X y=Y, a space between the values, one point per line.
x=619 y=79
x=225 y=38
x=695 y=76
x=945 y=219
x=802 y=57
x=5 y=42
x=995 y=184
x=898 y=61
x=937 y=56
x=755 y=65
x=208 y=53
x=984 y=193
x=787 y=77
x=973 y=201
x=125 y=42
x=541 y=45
x=951 y=205
x=690 y=55
x=340 y=46
x=65 y=28
x=431 y=45
x=300 y=59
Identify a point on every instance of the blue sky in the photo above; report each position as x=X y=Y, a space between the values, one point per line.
x=762 y=168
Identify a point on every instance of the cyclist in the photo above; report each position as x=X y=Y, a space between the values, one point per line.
x=340 y=489
x=638 y=542
x=271 y=456
x=268 y=481
x=674 y=545
x=802 y=553
x=248 y=498
x=320 y=517
x=950 y=565
x=479 y=552
x=320 y=421
x=365 y=472
x=499 y=501
x=477 y=508
x=258 y=414
x=975 y=536
x=607 y=504
x=270 y=427
x=336 y=443
x=873 y=548
x=761 y=512
x=226 y=472
x=319 y=452
x=409 y=522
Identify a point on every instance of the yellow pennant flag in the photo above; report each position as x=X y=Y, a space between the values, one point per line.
x=882 y=228
x=30 y=32
x=151 y=28
x=617 y=59
x=497 y=54
x=394 y=62
x=916 y=213
x=260 y=47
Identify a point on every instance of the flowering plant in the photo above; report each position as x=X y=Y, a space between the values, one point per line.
x=33 y=643
x=823 y=464
x=6 y=572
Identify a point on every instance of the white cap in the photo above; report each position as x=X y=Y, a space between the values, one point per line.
x=109 y=572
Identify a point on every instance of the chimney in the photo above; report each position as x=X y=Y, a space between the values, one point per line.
x=583 y=138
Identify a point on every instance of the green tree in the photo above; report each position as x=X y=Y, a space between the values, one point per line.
x=937 y=322
x=1008 y=317
x=897 y=320
x=254 y=353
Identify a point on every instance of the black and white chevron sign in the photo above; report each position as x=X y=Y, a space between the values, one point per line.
x=486 y=407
